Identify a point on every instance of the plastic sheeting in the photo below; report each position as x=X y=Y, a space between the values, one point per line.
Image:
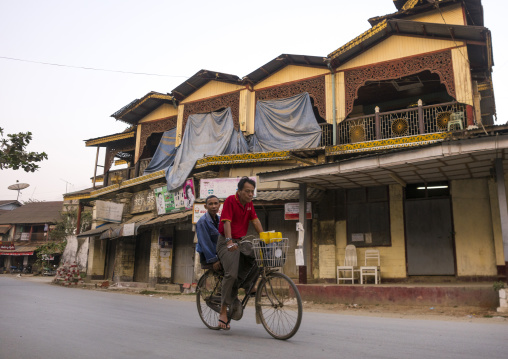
x=237 y=144
x=285 y=124
x=165 y=153
x=205 y=135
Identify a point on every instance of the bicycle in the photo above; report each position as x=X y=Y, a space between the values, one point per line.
x=277 y=301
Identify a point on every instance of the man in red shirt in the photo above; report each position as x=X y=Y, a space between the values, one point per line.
x=237 y=258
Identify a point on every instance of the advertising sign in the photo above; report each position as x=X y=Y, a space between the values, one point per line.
x=220 y=187
x=109 y=211
x=292 y=211
x=173 y=201
x=200 y=210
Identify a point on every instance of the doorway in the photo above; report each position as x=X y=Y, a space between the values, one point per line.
x=183 y=262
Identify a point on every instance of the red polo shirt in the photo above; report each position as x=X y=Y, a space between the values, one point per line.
x=238 y=215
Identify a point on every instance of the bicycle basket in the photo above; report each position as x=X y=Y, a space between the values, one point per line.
x=270 y=254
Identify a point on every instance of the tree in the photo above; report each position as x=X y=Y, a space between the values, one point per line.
x=66 y=226
x=13 y=154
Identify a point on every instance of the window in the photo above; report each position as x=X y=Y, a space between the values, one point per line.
x=368 y=217
x=427 y=190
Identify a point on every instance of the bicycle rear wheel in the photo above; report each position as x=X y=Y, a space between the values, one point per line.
x=208 y=298
x=279 y=306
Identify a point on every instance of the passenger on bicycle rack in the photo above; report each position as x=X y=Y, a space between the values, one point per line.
x=237 y=258
x=207 y=230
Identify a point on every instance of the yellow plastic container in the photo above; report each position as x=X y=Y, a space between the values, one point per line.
x=265 y=237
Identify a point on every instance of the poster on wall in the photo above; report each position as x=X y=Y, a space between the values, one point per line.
x=173 y=201
x=221 y=187
x=200 y=210
x=292 y=211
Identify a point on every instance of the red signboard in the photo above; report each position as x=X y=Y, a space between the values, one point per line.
x=16 y=253
x=7 y=247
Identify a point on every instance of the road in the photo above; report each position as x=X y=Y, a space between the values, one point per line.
x=38 y=320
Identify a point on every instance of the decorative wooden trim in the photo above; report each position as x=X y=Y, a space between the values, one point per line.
x=157 y=126
x=77 y=196
x=243 y=158
x=213 y=104
x=315 y=86
x=129 y=183
x=437 y=62
x=143 y=100
x=409 y=4
x=112 y=138
x=409 y=141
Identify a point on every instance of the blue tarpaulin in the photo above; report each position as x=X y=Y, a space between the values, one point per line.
x=165 y=153
x=205 y=134
x=285 y=124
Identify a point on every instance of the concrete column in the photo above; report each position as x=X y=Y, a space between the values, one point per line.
x=302 y=270
x=153 y=272
x=503 y=209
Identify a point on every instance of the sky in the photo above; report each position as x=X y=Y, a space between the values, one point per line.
x=107 y=53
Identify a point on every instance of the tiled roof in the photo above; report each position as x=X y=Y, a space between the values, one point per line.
x=33 y=213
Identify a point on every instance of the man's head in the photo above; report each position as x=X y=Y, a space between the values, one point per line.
x=212 y=205
x=246 y=188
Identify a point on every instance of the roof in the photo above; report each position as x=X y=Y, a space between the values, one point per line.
x=117 y=137
x=313 y=194
x=444 y=161
x=386 y=28
x=12 y=201
x=282 y=61
x=139 y=108
x=474 y=9
x=33 y=213
x=169 y=218
x=201 y=78
x=22 y=248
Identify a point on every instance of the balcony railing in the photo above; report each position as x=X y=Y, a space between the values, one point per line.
x=408 y=122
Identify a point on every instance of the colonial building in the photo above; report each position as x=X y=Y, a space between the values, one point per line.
x=391 y=138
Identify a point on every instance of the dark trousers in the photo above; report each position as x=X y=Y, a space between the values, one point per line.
x=239 y=267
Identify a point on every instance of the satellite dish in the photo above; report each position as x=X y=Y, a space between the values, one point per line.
x=18 y=187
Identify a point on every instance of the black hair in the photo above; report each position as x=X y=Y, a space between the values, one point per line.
x=244 y=180
x=210 y=197
x=186 y=188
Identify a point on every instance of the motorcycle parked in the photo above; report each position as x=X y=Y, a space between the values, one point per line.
x=49 y=271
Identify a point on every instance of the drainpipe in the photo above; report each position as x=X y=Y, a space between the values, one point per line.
x=333 y=102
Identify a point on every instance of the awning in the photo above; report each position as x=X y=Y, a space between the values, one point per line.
x=128 y=228
x=21 y=250
x=169 y=219
x=4 y=228
x=97 y=231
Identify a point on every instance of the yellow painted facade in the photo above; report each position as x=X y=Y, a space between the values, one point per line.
x=496 y=222
x=327 y=266
x=396 y=47
x=179 y=126
x=290 y=73
x=329 y=98
x=163 y=111
x=474 y=239
x=451 y=15
x=247 y=111
x=212 y=89
x=462 y=75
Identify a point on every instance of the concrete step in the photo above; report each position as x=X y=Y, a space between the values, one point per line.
x=174 y=288
x=140 y=285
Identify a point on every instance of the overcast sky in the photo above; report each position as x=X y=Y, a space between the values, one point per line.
x=64 y=105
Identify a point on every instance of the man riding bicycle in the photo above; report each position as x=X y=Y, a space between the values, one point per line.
x=236 y=258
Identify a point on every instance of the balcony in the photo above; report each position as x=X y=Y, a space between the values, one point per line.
x=402 y=123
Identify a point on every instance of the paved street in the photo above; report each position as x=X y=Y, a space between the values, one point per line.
x=38 y=320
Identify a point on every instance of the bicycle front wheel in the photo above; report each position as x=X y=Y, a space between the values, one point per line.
x=208 y=299
x=279 y=306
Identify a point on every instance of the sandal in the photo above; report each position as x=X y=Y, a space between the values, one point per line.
x=226 y=324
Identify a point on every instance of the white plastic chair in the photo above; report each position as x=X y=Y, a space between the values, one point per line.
x=456 y=119
x=372 y=266
x=350 y=267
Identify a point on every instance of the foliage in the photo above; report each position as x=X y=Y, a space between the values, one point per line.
x=48 y=249
x=498 y=285
x=13 y=154
x=67 y=224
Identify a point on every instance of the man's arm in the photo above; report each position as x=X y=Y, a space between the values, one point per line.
x=257 y=225
x=227 y=233
x=206 y=244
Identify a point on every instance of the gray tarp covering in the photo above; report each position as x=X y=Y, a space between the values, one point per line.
x=205 y=135
x=238 y=144
x=165 y=153
x=285 y=124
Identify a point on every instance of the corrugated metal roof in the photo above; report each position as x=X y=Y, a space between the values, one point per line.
x=97 y=231
x=313 y=194
x=139 y=108
x=169 y=218
x=33 y=213
x=201 y=78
